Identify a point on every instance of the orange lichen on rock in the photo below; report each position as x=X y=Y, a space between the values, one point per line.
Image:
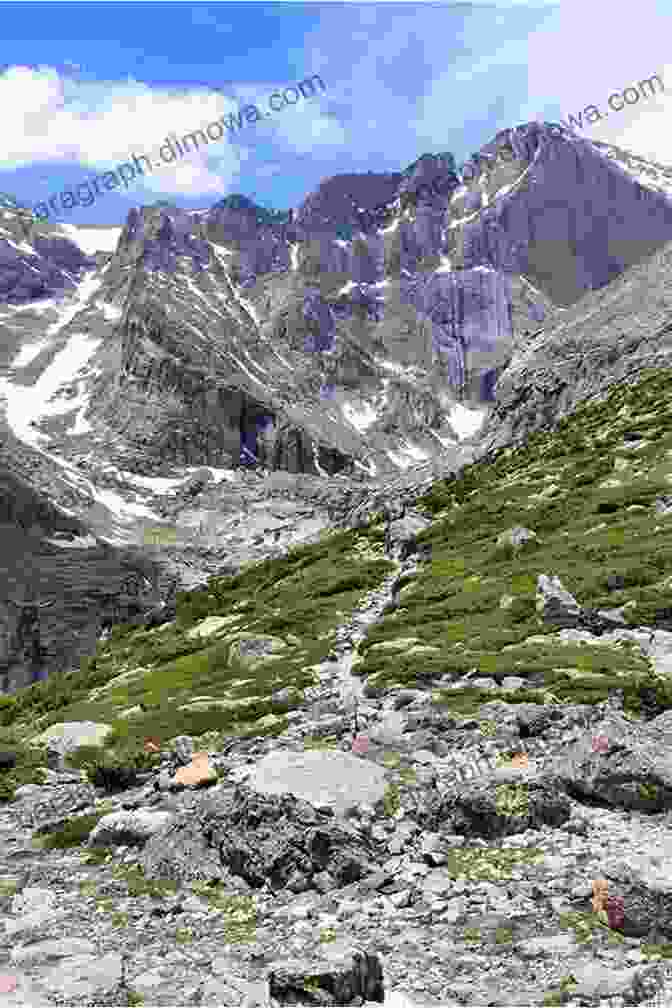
x=600 y=895
x=197 y=773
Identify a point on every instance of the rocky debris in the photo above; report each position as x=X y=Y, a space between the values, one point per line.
x=45 y=808
x=401 y=533
x=387 y=879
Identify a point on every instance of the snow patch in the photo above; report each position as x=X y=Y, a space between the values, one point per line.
x=29 y=353
x=79 y=542
x=407 y=454
x=92 y=240
x=464 y=421
x=360 y=418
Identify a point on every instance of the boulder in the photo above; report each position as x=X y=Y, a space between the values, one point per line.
x=630 y=769
x=555 y=604
x=502 y=803
x=252 y=650
x=7 y=760
x=335 y=779
x=66 y=736
x=262 y=839
x=343 y=975
x=198 y=773
x=126 y=827
x=182 y=749
x=516 y=536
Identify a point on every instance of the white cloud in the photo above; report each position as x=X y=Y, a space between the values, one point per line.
x=54 y=119
x=48 y=117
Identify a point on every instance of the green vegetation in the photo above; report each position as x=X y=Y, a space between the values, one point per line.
x=512 y=800
x=489 y=864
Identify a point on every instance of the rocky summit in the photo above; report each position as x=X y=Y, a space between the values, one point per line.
x=336 y=606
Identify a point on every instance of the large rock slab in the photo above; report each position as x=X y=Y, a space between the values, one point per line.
x=262 y=839
x=334 y=779
x=342 y=976
x=505 y=802
x=129 y=827
x=252 y=651
x=621 y=764
x=66 y=736
x=211 y=625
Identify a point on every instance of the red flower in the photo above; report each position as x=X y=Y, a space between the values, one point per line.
x=615 y=912
x=600 y=743
x=360 y=745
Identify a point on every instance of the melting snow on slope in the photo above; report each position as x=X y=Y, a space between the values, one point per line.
x=464 y=421
x=92 y=240
x=111 y=312
x=29 y=353
x=359 y=419
x=243 y=302
x=79 y=542
x=445 y=442
x=26 y=403
x=369 y=469
x=407 y=455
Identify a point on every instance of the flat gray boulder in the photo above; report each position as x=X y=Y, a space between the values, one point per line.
x=132 y=828
x=335 y=779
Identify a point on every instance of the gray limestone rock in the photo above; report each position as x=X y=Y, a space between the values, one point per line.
x=344 y=976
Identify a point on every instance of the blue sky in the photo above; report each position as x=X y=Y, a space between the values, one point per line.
x=84 y=85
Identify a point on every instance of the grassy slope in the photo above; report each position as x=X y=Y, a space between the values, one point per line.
x=557 y=485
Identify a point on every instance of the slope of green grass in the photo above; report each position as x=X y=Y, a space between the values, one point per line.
x=589 y=495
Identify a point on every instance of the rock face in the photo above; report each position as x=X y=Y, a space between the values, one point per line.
x=57 y=594
x=35 y=259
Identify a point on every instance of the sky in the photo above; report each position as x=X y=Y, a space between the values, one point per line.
x=84 y=86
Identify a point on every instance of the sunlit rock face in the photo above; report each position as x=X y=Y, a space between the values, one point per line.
x=36 y=261
x=573 y=223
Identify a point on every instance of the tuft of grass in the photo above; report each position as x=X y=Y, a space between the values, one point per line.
x=491 y=864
